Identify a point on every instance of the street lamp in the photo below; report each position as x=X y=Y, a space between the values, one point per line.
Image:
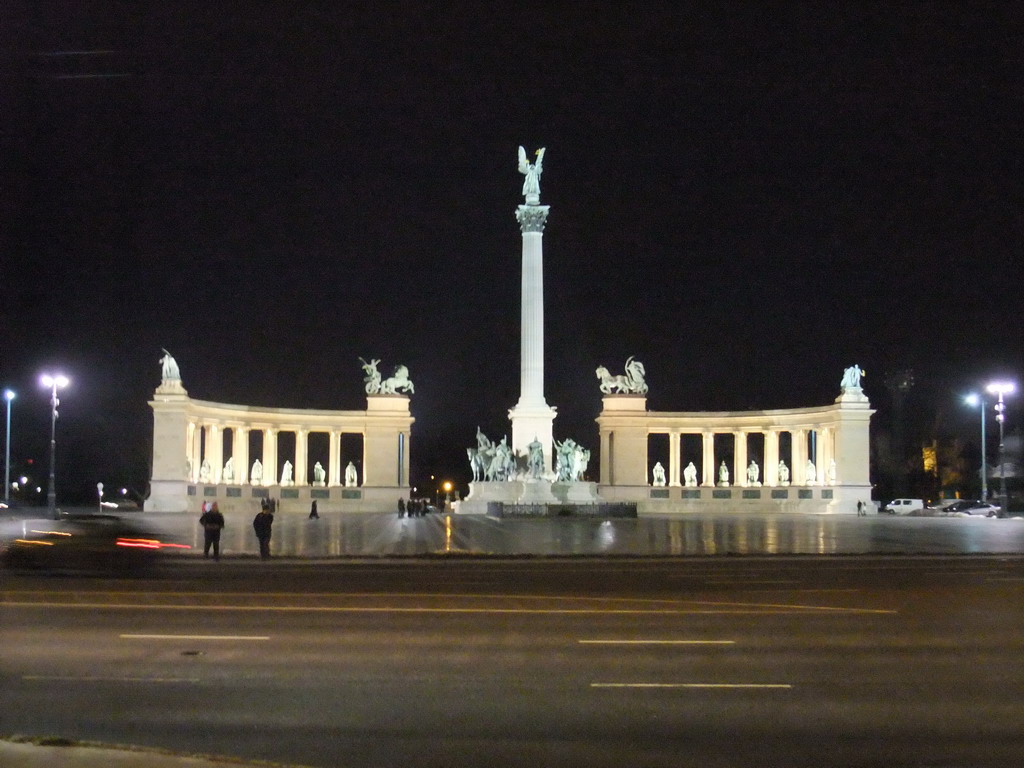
x=8 y=396
x=1000 y=388
x=53 y=383
x=975 y=400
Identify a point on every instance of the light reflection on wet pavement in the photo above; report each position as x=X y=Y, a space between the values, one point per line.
x=387 y=535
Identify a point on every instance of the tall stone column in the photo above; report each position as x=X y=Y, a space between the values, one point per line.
x=301 y=457
x=739 y=458
x=334 y=459
x=708 y=460
x=799 y=468
x=532 y=417
x=270 y=476
x=771 y=457
x=240 y=453
x=216 y=440
x=673 y=459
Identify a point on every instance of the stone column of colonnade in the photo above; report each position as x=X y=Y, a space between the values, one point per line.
x=674 y=438
x=334 y=459
x=739 y=454
x=301 y=474
x=771 y=458
x=708 y=467
x=240 y=453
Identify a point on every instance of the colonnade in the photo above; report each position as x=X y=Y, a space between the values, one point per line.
x=205 y=442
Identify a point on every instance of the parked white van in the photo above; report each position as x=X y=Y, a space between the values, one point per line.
x=903 y=506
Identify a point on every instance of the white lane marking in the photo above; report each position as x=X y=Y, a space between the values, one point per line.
x=767 y=610
x=690 y=685
x=194 y=637
x=86 y=679
x=751 y=581
x=657 y=642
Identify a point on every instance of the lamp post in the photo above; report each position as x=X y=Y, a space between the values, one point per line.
x=53 y=382
x=1000 y=388
x=973 y=400
x=8 y=396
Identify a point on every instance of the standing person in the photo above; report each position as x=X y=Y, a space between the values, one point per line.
x=213 y=522
x=262 y=524
x=401 y=507
x=313 y=514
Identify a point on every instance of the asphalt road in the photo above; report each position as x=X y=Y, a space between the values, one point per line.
x=858 y=661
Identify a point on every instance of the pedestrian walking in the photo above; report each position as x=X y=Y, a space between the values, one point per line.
x=262 y=524
x=213 y=523
x=313 y=514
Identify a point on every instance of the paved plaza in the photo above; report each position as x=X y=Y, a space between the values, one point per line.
x=387 y=535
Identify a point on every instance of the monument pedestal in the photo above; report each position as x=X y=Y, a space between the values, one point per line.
x=537 y=492
x=576 y=493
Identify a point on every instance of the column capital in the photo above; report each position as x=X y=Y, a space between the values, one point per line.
x=531 y=218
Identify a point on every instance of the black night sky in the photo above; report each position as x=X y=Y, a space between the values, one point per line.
x=746 y=197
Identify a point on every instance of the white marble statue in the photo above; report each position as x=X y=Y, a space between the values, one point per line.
x=532 y=171
x=319 y=476
x=658 y=475
x=811 y=473
x=256 y=474
x=398 y=382
x=535 y=459
x=169 y=368
x=690 y=476
x=723 y=475
x=228 y=474
x=832 y=472
x=753 y=474
x=631 y=384
x=351 y=477
x=371 y=381
x=204 y=471
x=783 y=473
x=286 y=473
x=851 y=377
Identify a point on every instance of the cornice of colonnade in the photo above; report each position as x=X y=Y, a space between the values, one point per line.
x=780 y=419
x=290 y=419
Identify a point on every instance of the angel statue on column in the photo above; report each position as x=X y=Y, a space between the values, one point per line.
x=531 y=186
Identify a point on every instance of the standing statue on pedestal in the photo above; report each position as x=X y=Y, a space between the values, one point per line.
x=535 y=459
x=169 y=368
x=753 y=474
x=204 y=471
x=723 y=475
x=286 y=473
x=318 y=474
x=531 y=186
x=851 y=377
x=256 y=475
x=783 y=473
x=690 y=476
x=351 y=478
x=658 y=475
x=228 y=475
x=811 y=472
x=631 y=384
x=832 y=472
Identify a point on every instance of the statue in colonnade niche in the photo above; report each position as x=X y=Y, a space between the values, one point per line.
x=753 y=474
x=690 y=476
x=286 y=473
x=811 y=472
x=832 y=472
x=256 y=475
x=351 y=478
x=228 y=475
x=658 y=475
x=204 y=471
x=632 y=383
x=852 y=377
x=318 y=474
x=783 y=473
x=723 y=475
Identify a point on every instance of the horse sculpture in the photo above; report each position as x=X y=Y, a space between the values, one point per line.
x=399 y=381
x=632 y=383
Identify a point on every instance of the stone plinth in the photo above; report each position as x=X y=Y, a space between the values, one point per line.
x=576 y=493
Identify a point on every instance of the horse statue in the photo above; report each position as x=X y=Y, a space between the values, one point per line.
x=399 y=381
x=632 y=383
x=372 y=378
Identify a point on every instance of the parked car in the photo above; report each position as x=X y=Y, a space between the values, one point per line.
x=903 y=506
x=81 y=543
x=965 y=506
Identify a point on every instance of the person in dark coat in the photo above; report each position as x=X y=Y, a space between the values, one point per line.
x=401 y=507
x=213 y=523
x=313 y=514
x=262 y=524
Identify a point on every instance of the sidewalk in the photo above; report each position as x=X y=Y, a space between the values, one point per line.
x=53 y=753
